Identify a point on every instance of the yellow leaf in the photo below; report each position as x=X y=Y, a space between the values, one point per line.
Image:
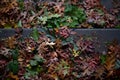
x=55 y=76
x=75 y=53
x=12 y=76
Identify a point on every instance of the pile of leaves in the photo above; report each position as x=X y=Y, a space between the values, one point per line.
x=8 y=13
x=54 y=54
x=57 y=13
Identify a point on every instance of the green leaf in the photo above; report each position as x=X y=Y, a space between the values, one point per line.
x=54 y=16
x=65 y=72
x=43 y=19
x=118 y=27
x=57 y=24
x=68 y=8
x=77 y=14
x=19 y=24
x=13 y=66
x=21 y=4
x=39 y=59
x=103 y=59
x=7 y=26
x=75 y=47
x=70 y=39
x=27 y=75
x=33 y=62
x=35 y=34
x=39 y=69
x=74 y=17
x=74 y=24
x=117 y=64
x=33 y=13
x=50 y=26
x=52 y=38
x=14 y=54
x=99 y=11
x=30 y=73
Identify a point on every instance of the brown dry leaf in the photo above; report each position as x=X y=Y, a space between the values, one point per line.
x=86 y=72
x=114 y=51
x=51 y=69
x=59 y=8
x=8 y=13
x=31 y=18
x=74 y=2
x=85 y=25
x=110 y=63
x=99 y=72
x=42 y=48
x=7 y=5
x=54 y=55
x=88 y=66
x=11 y=41
x=54 y=76
x=20 y=60
x=62 y=54
x=5 y=52
x=91 y=3
x=111 y=56
x=110 y=60
x=58 y=43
